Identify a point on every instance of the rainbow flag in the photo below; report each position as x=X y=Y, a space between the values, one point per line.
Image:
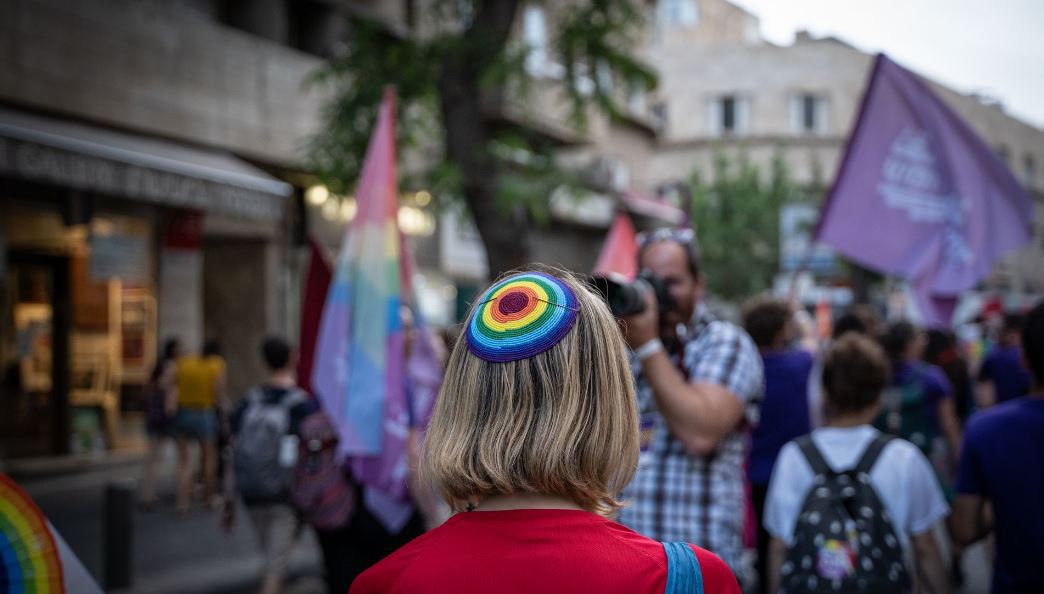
x=361 y=373
x=29 y=559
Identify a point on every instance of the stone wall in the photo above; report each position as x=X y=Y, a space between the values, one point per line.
x=162 y=68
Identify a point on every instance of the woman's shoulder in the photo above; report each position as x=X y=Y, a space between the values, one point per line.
x=583 y=540
x=717 y=577
x=381 y=577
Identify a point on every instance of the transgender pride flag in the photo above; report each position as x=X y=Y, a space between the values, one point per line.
x=373 y=394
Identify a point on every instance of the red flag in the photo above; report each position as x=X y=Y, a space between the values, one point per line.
x=620 y=251
x=317 y=283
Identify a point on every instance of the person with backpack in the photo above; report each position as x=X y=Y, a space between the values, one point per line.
x=846 y=502
x=919 y=403
x=266 y=430
x=325 y=498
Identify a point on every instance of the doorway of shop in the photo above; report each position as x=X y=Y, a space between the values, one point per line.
x=34 y=351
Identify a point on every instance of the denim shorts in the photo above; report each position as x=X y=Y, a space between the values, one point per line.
x=196 y=423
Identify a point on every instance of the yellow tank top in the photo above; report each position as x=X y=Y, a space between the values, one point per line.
x=197 y=381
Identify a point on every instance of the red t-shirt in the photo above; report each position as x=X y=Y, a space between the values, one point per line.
x=533 y=550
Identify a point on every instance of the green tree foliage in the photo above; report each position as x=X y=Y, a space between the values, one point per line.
x=502 y=172
x=736 y=216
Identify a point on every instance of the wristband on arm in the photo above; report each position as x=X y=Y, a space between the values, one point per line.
x=648 y=349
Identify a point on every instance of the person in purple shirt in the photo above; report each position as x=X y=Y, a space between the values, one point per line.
x=1002 y=375
x=918 y=405
x=784 y=411
x=1000 y=483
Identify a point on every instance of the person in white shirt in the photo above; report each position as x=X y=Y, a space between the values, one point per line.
x=855 y=372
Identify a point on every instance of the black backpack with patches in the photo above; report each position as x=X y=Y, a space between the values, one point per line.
x=844 y=540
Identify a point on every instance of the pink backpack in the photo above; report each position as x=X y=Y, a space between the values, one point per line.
x=321 y=491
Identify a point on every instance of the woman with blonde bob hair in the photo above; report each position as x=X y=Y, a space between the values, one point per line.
x=534 y=433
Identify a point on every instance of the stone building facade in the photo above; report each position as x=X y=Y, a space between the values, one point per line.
x=727 y=90
x=153 y=186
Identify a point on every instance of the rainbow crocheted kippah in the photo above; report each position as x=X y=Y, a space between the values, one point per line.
x=521 y=316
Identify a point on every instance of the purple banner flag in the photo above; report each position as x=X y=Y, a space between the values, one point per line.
x=921 y=196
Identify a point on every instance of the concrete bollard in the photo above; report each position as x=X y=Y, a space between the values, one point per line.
x=118 y=530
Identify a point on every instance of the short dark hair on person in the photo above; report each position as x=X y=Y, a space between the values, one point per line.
x=764 y=319
x=1033 y=342
x=897 y=338
x=211 y=347
x=855 y=371
x=1013 y=322
x=276 y=352
x=691 y=249
x=862 y=318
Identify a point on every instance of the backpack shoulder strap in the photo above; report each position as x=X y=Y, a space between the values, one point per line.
x=293 y=397
x=873 y=451
x=255 y=395
x=683 y=569
x=813 y=455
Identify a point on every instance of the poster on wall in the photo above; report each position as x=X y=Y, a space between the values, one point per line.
x=125 y=257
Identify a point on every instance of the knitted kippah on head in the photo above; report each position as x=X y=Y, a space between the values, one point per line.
x=521 y=316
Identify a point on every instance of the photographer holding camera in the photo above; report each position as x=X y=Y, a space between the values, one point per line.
x=699 y=384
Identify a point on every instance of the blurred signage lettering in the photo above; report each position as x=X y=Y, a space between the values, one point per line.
x=119 y=256
x=88 y=172
x=796 y=251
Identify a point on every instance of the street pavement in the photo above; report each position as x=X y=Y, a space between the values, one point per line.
x=171 y=554
x=192 y=555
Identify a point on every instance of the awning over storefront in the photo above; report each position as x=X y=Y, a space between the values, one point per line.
x=96 y=159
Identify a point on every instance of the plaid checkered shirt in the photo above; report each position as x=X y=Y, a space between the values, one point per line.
x=676 y=496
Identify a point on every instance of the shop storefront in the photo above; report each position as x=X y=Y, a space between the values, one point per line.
x=103 y=248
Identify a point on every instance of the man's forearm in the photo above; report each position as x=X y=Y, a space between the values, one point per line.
x=699 y=415
x=776 y=551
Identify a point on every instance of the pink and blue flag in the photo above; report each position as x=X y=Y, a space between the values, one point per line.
x=921 y=196
x=374 y=392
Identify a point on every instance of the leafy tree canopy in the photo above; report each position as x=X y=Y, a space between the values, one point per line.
x=500 y=171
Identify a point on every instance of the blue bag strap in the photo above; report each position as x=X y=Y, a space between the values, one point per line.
x=683 y=569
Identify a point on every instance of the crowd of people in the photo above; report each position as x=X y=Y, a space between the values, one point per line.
x=663 y=457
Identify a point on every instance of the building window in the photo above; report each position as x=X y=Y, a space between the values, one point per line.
x=534 y=34
x=658 y=113
x=729 y=115
x=681 y=13
x=808 y=113
x=1029 y=171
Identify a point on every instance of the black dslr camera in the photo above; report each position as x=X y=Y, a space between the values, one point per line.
x=626 y=298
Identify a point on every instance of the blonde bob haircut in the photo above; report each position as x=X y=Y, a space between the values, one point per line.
x=563 y=422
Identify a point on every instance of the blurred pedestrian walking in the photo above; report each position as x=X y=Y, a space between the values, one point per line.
x=784 y=411
x=919 y=404
x=1000 y=484
x=534 y=433
x=699 y=388
x=266 y=429
x=367 y=538
x=942 y=351
x=161 y=406
x=1002 y=376
x=861 y=318
x=201 y=387
x=846 y=501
